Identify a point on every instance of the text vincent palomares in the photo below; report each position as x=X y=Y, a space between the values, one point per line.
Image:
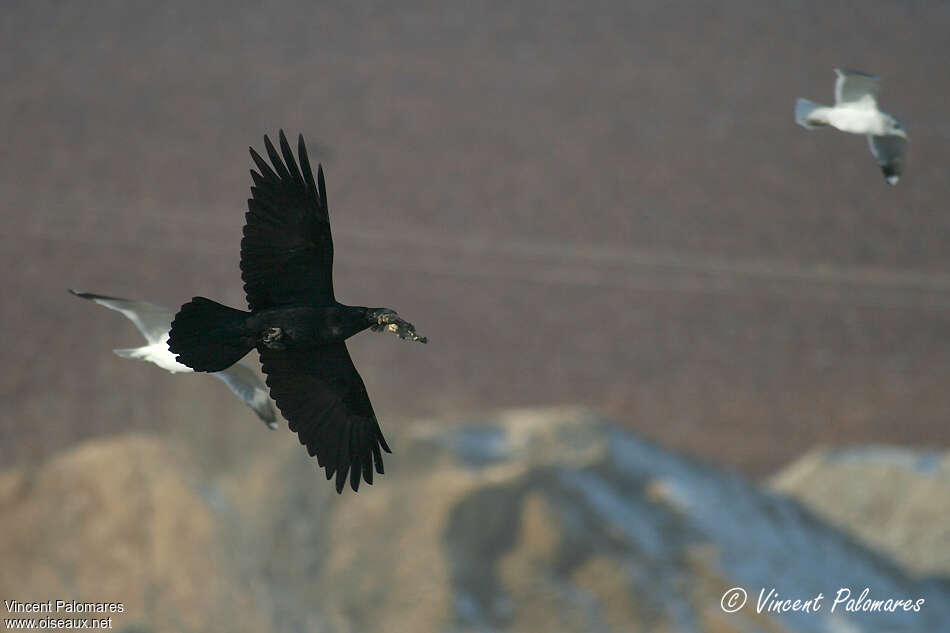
x=63 y=606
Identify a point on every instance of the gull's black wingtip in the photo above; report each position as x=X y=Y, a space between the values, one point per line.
x=891 y=173
x=850 y=71
x=88 y=295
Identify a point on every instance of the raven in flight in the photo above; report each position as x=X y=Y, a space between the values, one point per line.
x=294 y=321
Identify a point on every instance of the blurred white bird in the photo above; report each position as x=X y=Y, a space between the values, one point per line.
x=856 y=111
x=154 y=322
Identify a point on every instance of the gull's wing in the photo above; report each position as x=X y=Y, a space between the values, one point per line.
x=287 y=249
x=153 y=321
x=889 y=152
x=853 y=86
x=247 y=386
x=324 y=400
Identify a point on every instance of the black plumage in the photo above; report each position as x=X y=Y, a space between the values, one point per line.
x=295 y=321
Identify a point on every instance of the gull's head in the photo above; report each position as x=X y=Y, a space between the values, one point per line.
x=893 y=127
x=386 y=320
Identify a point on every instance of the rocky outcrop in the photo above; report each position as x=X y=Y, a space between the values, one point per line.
x=894 y=499
x=534 y=520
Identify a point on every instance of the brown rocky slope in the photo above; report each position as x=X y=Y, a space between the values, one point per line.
x=528 y=520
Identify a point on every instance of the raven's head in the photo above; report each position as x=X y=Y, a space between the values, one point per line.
x=386 y=320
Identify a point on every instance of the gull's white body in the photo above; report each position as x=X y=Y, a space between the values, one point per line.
x=856 y=112
x=154 y=322
x=158 y=354
x=860 y=117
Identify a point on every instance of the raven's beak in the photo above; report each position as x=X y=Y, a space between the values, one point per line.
x=389 y=321
x=405 y=330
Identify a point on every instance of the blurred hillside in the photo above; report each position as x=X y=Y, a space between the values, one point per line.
x=530 y=520
x=893 y=499
x=604 y=203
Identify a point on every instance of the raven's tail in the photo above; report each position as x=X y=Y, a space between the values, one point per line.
x=208 y=336
x=810 y=114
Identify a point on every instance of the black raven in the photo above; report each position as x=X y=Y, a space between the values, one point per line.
x=294 y=321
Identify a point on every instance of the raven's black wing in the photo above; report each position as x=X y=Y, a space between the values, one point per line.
x=325 y=402
x=287 y=249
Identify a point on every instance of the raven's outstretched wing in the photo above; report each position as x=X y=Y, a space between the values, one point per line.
x=287 y=249
x=325 y=402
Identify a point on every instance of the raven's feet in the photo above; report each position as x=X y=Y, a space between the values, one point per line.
x=273 y=338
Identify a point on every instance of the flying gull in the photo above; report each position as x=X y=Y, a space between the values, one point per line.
x=154 y=321
x=856 y=111
x=295 y=321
